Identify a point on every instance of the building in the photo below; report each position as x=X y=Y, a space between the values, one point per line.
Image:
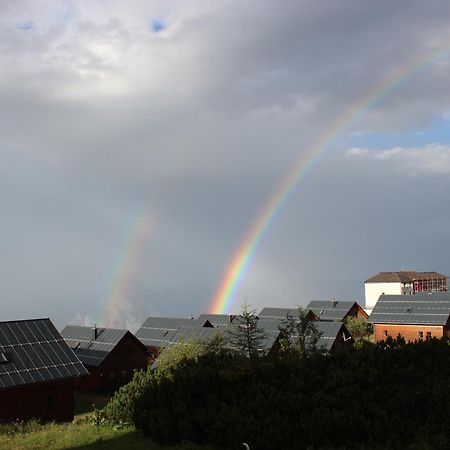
x=158 y=332
x=110 y=355
x=401 y=283
x=37 y=369
x=413 y=317
x=334 y=334
x=335 y=310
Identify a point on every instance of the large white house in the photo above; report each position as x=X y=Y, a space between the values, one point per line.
x=401 y=283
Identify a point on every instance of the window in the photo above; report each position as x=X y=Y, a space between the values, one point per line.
x=428 y=334
x=385 y=333
x=420 y=334
x=51 y=401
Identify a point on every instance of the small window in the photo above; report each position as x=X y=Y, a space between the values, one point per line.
x=420 y=334
x=51 y=402
x=385 y=333
x=428 y=334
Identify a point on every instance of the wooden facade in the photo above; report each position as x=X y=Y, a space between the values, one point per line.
x=46 y=402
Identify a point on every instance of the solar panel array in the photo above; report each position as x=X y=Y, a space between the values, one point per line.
x=330 y=310
x=416 y=309
x=92 y=350
x=34 y=352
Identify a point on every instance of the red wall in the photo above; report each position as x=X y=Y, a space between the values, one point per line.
x=51 y=401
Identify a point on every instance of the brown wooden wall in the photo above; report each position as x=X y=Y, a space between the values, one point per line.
x=47 y=402
x=118 y=367
x=408 y=332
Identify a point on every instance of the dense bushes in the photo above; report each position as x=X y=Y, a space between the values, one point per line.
x=394 y=395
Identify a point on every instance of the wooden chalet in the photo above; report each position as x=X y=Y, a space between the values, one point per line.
x=336 y=310
x=111 y=356
x=413 y=317
x=37 y=369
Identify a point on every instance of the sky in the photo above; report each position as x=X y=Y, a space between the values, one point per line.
x=140 y=141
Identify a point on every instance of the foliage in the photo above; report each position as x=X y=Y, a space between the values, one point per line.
x=300 y=334
x=176 y=355
x=359 y=328
x=387 y=395
x=245 y=336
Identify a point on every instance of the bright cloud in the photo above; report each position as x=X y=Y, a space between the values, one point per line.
x=430 y=159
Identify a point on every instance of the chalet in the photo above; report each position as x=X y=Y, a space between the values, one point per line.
x=111 y=356
x=335 y=310
x=413 y=317
x=402 y=283
x=334 y=334
x=158 y=332
x=37 y=369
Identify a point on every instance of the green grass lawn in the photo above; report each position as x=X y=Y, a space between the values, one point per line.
x=76 y=435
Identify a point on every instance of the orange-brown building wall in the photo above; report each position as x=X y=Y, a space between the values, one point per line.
x=408 y=332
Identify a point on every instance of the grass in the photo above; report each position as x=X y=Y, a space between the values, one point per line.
x=77 y=435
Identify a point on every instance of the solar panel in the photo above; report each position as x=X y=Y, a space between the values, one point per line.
x=34 y=352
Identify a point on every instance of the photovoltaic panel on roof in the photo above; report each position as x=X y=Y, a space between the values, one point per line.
x=92 y=345
x=35 y=353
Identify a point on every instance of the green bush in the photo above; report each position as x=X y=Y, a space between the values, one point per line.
x=394 y=395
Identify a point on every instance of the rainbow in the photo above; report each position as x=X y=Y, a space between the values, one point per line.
x=113 y=308
x=243 y=256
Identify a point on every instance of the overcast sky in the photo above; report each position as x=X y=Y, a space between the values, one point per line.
x=179 y=119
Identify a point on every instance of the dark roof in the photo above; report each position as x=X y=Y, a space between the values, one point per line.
x=155 y=337
x=202 y=335
x=217 y=320
x=421 y=308
x=172 y=323
x=329 y=330
x=34 y=352
x=331 y=309
x=92 y=350
x=159 y=331
x=403 y=277
x=277 y=312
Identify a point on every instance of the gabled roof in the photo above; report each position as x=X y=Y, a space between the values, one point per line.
x=159 y=331
x=331 y=310
x=92 y=350
x=172 y=323
x=417 y=309
x=403 y=277
x=217 y=320
x=277 y=312
x=202 y=335
x=32 y=352
x=329 y=330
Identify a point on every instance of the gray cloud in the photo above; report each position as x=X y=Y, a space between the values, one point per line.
x=99 y=116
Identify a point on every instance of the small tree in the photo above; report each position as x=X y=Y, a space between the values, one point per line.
x=300 y=334
x=244 y=335
x=359 y=329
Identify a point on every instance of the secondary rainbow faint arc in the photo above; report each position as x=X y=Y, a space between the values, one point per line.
x=242 y=258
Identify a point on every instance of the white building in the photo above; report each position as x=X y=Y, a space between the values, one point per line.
x=401 y=283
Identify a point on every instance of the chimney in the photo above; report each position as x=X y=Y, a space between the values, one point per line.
x=231 y=317
x=334 y=303
x=94 y=332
